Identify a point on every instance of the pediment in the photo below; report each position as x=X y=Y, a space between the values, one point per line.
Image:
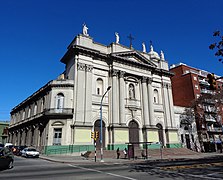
x=58 y=123
x=133 y=56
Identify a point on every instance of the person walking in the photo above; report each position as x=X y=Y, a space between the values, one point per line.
x=118 y=153
x=125 y=152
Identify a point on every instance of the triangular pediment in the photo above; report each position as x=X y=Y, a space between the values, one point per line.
x=133 y=56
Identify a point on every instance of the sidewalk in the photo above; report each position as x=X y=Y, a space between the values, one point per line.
x=82 y=160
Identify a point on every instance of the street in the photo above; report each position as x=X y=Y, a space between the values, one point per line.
x=204 y=168
x=43 y=169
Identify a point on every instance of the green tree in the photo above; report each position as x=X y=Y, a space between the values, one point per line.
x=218 y=45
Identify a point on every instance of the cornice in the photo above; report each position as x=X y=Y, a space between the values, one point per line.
x=41 y=92
x=118 y=57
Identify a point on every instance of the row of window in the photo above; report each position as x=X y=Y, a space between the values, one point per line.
x=36 y=108
x=131 y=90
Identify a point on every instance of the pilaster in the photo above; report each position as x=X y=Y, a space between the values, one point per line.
x=151 y=105
x=145 y=102
x=122 y=97
x=173 y=124
x=81 y=89
x=115 y=99
x=166 y=105
x=88 y=94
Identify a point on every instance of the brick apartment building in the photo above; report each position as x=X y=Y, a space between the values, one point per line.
x=188 y=84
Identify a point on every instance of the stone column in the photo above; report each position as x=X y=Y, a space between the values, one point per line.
x=28 y=136
x=14 y=135
x=80 y=98
x=173 y=124
x=88 y=94
x=19 y=138
x=151 y=104
x=122 y=97
x=145 y=102
x=36 y=135
x=166 y=105
x=11 y=137
x=115 y=101
x=23 y=137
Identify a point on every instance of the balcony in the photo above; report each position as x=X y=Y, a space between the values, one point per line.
x=203 y=82
x=53 y=113
x=214 y=129
x=58 y=112
x=210 y=110
x=133 y=103
x=210 y=119
x=206 y=91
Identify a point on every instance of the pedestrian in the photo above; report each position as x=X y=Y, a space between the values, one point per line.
x=125 y=152
x=118 y=153
x=143 y=154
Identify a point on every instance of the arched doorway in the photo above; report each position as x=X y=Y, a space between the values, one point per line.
x=97 y=127
x=160 y=133
x=133 y=133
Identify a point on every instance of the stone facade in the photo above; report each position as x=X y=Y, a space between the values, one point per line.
x=4 y=132
x=138 y=108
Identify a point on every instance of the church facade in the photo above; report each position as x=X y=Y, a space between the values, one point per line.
x=122 y=93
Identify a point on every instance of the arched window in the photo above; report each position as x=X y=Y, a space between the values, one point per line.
x=23 y=114
x=131 y=91
x=42 y=104
x=99 y=86
x=35 y=109
x=59 y=101
x=29 y=112
x=156 y=96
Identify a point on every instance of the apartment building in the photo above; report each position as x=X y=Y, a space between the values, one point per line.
x=190 y=85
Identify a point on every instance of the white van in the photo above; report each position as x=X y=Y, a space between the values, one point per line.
x=8 y=145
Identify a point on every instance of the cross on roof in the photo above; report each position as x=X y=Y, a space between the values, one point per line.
x=130 y=39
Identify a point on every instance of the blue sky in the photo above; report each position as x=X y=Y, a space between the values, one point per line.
x=34 y=36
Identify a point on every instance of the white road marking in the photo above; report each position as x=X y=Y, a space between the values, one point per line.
x=95 y=170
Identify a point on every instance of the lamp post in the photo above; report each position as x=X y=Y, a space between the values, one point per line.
x=101 y=135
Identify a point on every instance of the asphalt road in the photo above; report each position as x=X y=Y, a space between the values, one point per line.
x=43 y=169
x=209 y=168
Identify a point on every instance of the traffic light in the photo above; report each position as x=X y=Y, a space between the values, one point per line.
x=92 y=135
x=96 y=134
x=212 y=81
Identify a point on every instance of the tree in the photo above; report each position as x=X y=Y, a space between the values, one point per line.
x=218 y=46
x=208 y=106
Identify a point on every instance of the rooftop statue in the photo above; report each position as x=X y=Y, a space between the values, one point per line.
x=117 y=38
x=162 y=55
x=85 y=28
x=143 y=47
x=151 y=48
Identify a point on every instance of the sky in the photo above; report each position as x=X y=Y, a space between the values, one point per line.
x=34 y=35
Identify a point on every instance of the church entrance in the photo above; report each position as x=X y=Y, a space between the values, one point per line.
x=187 y=137
x=160 y=133
x=97 y=127
x=134 y=133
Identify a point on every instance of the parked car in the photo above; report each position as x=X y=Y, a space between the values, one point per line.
x=6 y=158
x=9 y=145
x=18 y=150
x=30 y=152
x=1 y=146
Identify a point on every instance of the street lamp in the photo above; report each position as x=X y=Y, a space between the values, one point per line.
x=101 y=135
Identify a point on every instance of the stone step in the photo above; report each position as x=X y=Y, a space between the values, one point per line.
x=138 y=153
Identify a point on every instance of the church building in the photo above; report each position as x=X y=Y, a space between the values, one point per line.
x=123 y=94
